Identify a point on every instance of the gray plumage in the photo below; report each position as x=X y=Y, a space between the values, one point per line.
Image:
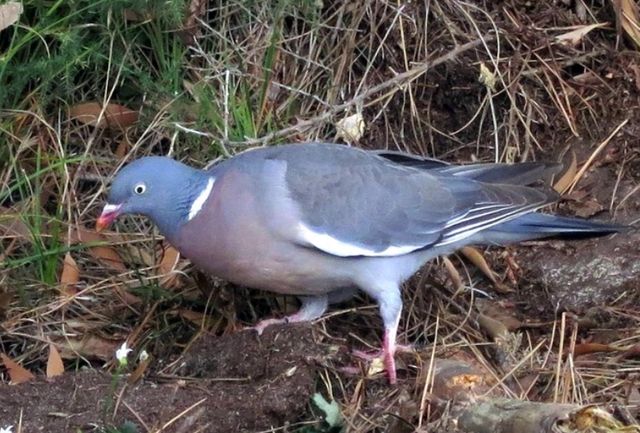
x=316 y=220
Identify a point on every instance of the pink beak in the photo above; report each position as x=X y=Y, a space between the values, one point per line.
x=108 y=215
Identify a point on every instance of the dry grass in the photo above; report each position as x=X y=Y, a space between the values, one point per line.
x=256 y=74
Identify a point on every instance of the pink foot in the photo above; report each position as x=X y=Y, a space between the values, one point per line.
x=387 y=354
x=264 y=324
x=312 y=307
x=300 y=316
x=377 y=354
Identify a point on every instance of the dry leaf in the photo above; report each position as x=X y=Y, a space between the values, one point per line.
x=376 y=366
x=195 y=317
x=191 y=26
x=456 y=279
x=167 y=266
x=574 y=37
x=70 y=275
x=588 y=348
x=112 y=116
x=493 y=327
x=91 y=346
x=123 y=147
x=351 y=128
x=127 y=297
x=9 y=14
x=628 y=17
x=17 y=373
x=503 y=312
x=12 y=225
x=587 y=78
x=103 y=253
x=476 y=257
x=487 y=77
x=563 y=184
x=5 y=300
x=502 y=288
x=170 y=257
x=139 y=371
x=55 y=367
x=147 y=257
x=587 y=208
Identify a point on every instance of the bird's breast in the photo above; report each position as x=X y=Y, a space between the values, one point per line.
x=231 y=238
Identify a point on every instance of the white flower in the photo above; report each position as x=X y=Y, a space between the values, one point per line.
x=142 y=357
x=8 y=429
x=121 y=355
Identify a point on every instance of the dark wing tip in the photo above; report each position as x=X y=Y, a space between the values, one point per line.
x=409 y=160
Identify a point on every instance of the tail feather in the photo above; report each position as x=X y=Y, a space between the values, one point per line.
x=545 y=223
x=539 y=225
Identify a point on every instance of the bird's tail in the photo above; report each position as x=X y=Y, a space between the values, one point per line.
x=539 y=225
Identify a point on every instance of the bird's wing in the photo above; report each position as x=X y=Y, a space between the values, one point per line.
x=524 y=173
x=355 y=203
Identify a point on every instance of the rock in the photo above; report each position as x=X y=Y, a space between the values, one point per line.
x=577 y=275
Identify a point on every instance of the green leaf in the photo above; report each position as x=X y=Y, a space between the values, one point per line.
x=332 y=414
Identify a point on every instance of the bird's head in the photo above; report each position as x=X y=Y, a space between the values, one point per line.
x=159 y=188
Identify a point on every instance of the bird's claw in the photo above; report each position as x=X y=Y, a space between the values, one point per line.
x=380 y=353
x=383 y=360
x=264 y=324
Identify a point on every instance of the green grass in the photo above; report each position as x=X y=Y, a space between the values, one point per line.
x=64 y=49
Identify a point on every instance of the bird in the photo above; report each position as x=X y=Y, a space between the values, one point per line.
x=321 y=220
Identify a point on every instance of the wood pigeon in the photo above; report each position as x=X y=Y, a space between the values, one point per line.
x=317 y=220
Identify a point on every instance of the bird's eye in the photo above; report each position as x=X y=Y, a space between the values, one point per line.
x=140 y=188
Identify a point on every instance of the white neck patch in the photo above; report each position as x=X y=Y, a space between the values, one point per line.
x=197 y=204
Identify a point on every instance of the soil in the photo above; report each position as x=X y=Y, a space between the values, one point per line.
x=235 y=383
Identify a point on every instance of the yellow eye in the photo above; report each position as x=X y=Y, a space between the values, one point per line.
x=140 y=188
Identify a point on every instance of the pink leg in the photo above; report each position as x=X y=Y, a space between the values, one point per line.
x=388 y=353
x=312 y=307
x=390 y=301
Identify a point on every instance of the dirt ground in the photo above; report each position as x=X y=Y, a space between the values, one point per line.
x=577 y=297
x=232 y=383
